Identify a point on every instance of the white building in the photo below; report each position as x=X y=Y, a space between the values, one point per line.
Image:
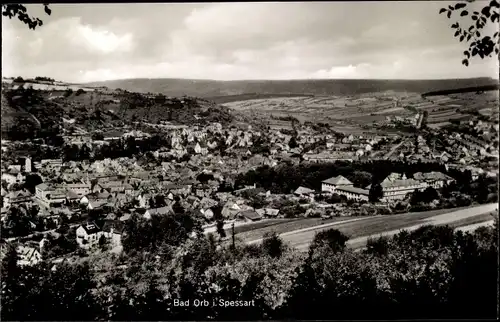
x=81 y=189
x=28 y=256
x=157 y=211
x=433 y=179
x=353 y=193
x=396 y=187
x=87 y=235
x=330 y=185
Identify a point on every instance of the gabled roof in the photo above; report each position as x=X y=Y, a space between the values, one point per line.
x=117 y=226
x=160 y=211
x=18 y=194
x=113 y=134
x=90 y=228
x=27 y=253
x=112 y=184
x=250 y=214
x=399 y=183
x=272 y=212
x=97 y=203
x=43 y=187
x=354 y=190
x=303 y=190
x=434 y=175
x=70 y=194
x=338 y=180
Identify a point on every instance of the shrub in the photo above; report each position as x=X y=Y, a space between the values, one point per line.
x=68 y=92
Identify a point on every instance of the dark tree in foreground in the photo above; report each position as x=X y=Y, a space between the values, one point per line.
x=20 y=11
x=479 y=44
x=332 y=238
x=376 y=192
x=273 y=245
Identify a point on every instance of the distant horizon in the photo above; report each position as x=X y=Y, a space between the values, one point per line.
x=257 y=80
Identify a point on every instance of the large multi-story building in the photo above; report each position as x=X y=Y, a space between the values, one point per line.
x=330 y=185
x=353 y=193
x=396 y=187
x=50 y=195
x=81 y=189
x=433 y=179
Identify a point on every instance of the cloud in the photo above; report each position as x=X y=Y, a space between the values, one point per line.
x=102 y=40
x=240 y=41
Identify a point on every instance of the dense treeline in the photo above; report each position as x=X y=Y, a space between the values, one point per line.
x=432 y=272
x=490 y=87
x=285 y=178
x=125 y=147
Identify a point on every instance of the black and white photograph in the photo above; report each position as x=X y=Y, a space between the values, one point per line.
x=250 y=161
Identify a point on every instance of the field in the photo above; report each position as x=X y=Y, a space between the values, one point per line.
x=364 y=227
x=283 y=227
x=377 y=225
x=261 y=225
x=438 y=125
x=472 y=220
x=345 y=114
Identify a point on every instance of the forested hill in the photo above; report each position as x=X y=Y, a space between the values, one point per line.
x=211 y=88
x=483 y=88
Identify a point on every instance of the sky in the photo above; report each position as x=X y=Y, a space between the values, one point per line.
x=239 y=41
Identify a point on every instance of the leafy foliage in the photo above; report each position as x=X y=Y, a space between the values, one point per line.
x=19 y=10
x=479 y=44
x=376 y=192
x=451 y=274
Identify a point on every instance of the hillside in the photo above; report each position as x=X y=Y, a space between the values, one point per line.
x=215 y=89
x=493 y=87
x=30 y=113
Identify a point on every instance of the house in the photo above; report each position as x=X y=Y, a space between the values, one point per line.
x=433 y=179
x=81 y=189
x=157 y=212
x=112 y=135
x=251 y=215
x=303 y=191
x=207 y=213
x=353 y=193
x=202 y=190
x=42 y=190
x=178 y=189
x=12 y=176
x=52 y=164
x=396 y=187
x=50 y=195
x=28 y=256
x=330 y=185
x=17 y=197
x=87 y=235
x=97 y=204
x=230 y=209
x=113 y=230
x=268 y=212
x=115 y=186
x=143 y=199
x=125 y=217
x=119 y=200
x=72 y=197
